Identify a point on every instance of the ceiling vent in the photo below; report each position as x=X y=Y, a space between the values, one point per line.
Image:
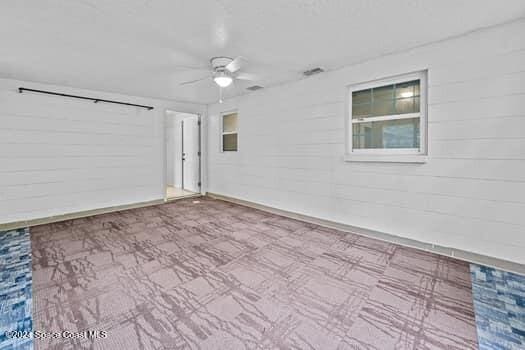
x=313 y=71
x=254 y=88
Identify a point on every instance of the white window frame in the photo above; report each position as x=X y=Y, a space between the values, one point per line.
x=229 y=132
x=398 y=155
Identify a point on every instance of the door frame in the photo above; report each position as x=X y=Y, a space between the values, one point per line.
x=199 y=151
x=165 y=148
x=182 y=156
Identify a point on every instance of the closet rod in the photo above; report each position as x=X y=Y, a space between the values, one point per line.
x=96 y=100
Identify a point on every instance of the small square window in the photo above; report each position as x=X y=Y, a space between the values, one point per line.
x=386 y=118
x=229 y=135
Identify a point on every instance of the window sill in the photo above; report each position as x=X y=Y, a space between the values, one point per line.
x=387 y=158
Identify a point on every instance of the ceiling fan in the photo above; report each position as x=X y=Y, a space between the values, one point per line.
x=223 y=71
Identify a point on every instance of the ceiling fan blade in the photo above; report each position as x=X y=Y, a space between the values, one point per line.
x=190 y=67
x=194 y=81
x=247 y=76
x=236 y=64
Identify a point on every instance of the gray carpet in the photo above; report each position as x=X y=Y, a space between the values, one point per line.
x=214 y=275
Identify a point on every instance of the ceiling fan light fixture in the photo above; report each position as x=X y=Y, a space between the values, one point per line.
x=222 y=79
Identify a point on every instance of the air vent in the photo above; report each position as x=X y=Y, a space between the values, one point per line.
x=313 y=71
x=254 y=88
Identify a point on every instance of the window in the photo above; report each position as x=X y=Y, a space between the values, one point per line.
x=229 y=131
x=388 y=118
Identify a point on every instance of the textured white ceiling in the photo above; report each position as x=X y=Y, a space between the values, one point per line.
x=136 y=46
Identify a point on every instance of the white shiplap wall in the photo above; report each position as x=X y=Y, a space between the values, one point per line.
x=60 y=155
x=471 y=193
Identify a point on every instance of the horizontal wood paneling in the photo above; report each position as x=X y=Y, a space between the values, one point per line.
x=61 y=155
x=469 y=195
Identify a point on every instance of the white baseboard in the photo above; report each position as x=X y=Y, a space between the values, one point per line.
x=75 y=215
x=437 y=249
x=446 y=251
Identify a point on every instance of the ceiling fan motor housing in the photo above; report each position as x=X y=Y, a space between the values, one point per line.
x=220 y=63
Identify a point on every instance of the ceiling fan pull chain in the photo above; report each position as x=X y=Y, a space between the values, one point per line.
x=220 y=94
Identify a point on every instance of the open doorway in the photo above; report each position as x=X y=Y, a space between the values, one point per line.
x=183 y=155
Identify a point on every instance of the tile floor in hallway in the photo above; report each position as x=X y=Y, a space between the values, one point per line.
x=215 y=275
x=175 y=192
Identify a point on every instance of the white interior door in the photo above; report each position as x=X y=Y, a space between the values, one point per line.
x=171 y=151
x=190 y=153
